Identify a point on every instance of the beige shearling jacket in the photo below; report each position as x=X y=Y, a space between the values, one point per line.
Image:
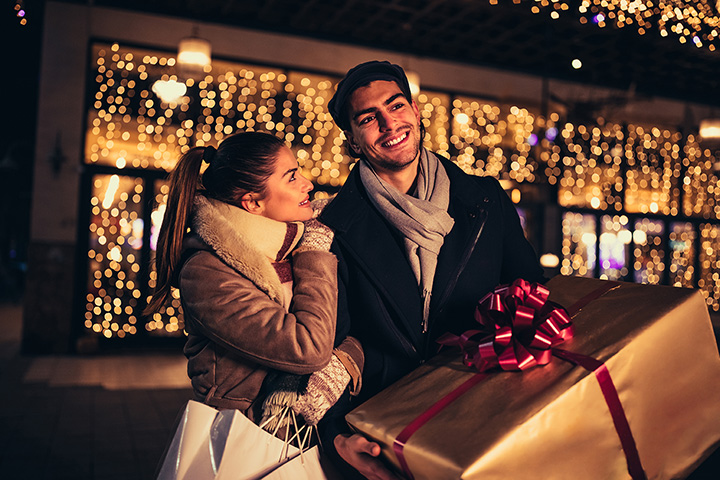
x=239 y=321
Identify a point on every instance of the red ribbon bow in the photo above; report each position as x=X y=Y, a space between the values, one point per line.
x=520 y=328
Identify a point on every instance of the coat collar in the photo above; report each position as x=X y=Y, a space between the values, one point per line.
x=351 y=204
x=345 y=209
x=248 y=243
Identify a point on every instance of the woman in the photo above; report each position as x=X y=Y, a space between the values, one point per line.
x=257 y=286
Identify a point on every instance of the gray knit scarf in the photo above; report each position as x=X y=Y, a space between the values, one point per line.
x=422 y=218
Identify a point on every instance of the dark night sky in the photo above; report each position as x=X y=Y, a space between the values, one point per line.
x=18 y=90
x=21 y=54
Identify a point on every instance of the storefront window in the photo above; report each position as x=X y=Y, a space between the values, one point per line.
x=579 y=245
x=143 y=114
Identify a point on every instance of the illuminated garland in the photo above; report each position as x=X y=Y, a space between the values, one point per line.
x=696 y=22
x=20 y=12
x=626 y=172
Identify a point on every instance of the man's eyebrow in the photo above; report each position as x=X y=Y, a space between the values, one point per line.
x=372 y=109
x=392 y=99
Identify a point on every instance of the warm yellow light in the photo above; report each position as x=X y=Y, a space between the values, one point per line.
x=462 y=118
x=414 y=81
x=624 y=236
x=115 y=254
x=588 y=238
x=549 y=260
x=710 y=129
x=169 y=91
x=193 y=52
x=112 y=189
x=639 y=237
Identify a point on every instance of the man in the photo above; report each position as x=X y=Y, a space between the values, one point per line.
x=418 y=241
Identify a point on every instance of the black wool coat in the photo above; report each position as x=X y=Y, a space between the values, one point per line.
x=379 y=299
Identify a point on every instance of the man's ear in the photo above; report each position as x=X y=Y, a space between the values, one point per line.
x=251 y=204
x=416 y=109
x=351 y=141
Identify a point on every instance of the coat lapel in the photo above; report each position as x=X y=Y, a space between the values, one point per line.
x=375 y=247
x=468 y=207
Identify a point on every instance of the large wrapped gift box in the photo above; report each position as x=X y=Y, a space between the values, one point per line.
x=552 y=422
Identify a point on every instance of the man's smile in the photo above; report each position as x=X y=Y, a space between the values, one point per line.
x=394 y=141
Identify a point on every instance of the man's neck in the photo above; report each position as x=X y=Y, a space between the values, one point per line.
x=403 y=180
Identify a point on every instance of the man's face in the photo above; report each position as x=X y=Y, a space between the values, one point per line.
x=384 y=126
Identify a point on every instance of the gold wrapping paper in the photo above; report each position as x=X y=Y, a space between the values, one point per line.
x=552 y=422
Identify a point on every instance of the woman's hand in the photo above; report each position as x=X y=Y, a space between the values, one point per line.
x=324 y=387
x=317 y=236
x=362 y=454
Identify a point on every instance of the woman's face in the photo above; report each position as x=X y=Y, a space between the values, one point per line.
x=286 y=197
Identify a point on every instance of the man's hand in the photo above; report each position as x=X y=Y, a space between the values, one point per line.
x=362 y=455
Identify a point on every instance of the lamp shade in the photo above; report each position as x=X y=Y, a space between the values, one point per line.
x=193 y=53
x=413 y=81
x=710 y=129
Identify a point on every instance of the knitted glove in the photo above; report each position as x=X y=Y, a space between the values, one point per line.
x=283 y=390
x=323 y=390
x=316 y=237
x=318 y=205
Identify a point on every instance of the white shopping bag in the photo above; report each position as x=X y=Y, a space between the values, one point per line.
x=305 y=466
x=222 y=445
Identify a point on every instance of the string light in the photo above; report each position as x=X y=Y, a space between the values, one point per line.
x=169 y=91
x=587 y=162
x=494 y=140
x=648 y=252
x=710 y=264
x=614 y=240
x=652 y=185
x=619 y=171
x=578 y=244
x=435 y=115
x=691 y=22
x=115 y=244
x=20 y=12
x=682 y=248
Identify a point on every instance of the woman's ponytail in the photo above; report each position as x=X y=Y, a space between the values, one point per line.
x=242 y=163
x=183 y=187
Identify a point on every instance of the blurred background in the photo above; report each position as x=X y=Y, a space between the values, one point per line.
x=601 y=118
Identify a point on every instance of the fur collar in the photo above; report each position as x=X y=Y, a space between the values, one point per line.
x=248 y=243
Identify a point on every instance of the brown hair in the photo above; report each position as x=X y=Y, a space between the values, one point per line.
x=242 y=164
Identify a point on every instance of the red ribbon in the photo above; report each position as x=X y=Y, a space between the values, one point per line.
x=519 y=329
x=423 y=418
x=524 y=331
x=622 y=427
